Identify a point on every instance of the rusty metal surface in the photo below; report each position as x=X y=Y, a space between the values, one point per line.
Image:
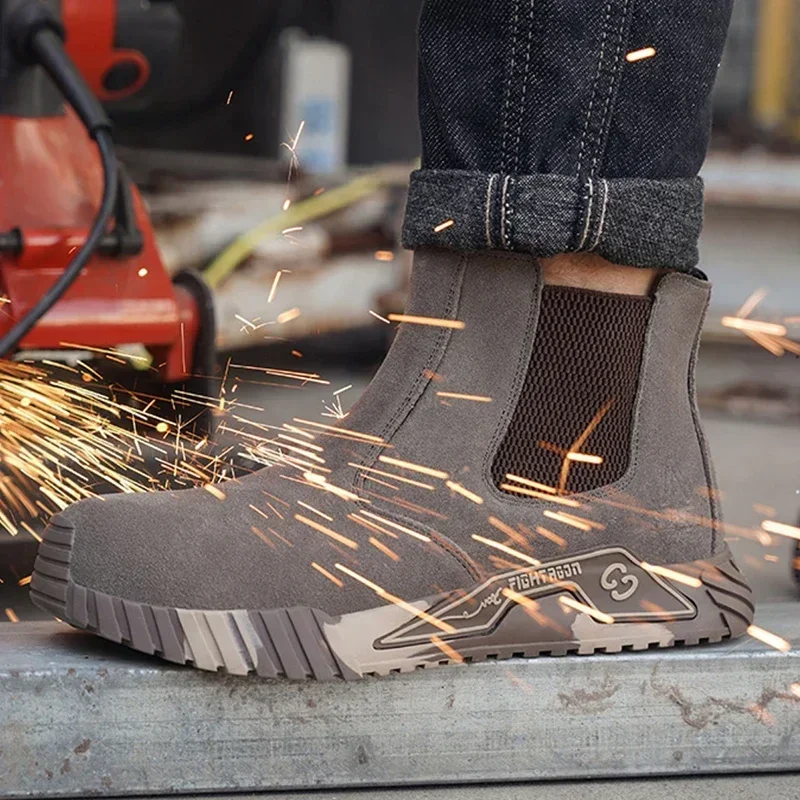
x=82 y=717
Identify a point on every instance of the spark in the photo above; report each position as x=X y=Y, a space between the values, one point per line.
x=754 y=326
x=378 y=316
x=526 y=482
x=396 y=525
x=311 y=508
x=367 y=437
x=506 y=549
x=162 y=427
x=571 y=519
x=443 y=226
x=327 y=531
x=435 y=321
x=585 y=458
x=274 y=284
x=506 y=529
x=391 y=475
x=770 y=639
x=384 y=255
x=678 y=577
x=142 y=272
x=12 y=617
x=215 y=491
x=578 y=444
x=101 y=351
x=600 y=616
x=458 y=396
x=286 y=203
x=459 y=489
x=24 y=581
x=771 y=345
x=550 y=498
x=640 y=55
x=383 y=548
x=295 y=229
x=230 y=97
x=288 y=316
x=437 y=623
x=749 y=305
x=330 y=576
x=396 y=462
x=249 y=137
x=781 y=529
x=450 y=652
x=371 y=526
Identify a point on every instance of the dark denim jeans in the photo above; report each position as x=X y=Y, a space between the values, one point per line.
x=540 y=136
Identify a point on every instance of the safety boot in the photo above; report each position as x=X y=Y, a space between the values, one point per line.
x=526 y=475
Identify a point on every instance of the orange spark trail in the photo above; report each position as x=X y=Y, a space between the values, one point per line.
x=443 y=226
x=391 y=475
x=452 y=654
x=754 y=326
x=679 y=577
x=506 y=549
x=387 y=551
x=770 y=639
x=478 y=398
x=584 y=609
x=443 y=626
x=331 y=577
x=396 y=526
x=542 y=487
x=435 y=321
x=459 y=489
x=640 y=55
x=781 y=529
x=550 y=498
x=327 y=531
x=396 y=462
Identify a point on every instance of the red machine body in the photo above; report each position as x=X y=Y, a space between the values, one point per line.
x=50 y=189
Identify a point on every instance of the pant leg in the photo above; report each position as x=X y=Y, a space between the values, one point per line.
x=540 y=136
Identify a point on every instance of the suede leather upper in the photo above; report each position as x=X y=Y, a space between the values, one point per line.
x=191 y=549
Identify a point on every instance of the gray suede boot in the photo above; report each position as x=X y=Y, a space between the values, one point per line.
x=528 y=479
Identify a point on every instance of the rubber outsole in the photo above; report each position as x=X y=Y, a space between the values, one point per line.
x=560 y=608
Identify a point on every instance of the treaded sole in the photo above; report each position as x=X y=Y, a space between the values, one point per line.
x=303 y=643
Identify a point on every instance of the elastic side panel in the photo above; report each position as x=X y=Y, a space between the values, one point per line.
x=579 y=392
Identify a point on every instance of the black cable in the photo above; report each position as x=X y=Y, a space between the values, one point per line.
x=105 y=144
x=39 y=41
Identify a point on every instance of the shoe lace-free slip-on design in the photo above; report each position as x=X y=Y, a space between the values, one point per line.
x=450 y=517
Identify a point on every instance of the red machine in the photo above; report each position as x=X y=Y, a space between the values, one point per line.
x=53 y=183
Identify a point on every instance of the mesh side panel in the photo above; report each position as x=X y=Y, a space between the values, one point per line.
x=586 y=357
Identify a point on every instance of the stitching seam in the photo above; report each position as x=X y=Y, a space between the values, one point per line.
x=525 y=76
x=612 y=82
x=602 y=223
x=504 y=212
x=594 y=88
x=507 y=103
x=489 y=211
x=588 y=216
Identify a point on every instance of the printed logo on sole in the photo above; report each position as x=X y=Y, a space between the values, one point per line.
x=607 y=581
x=610 y=580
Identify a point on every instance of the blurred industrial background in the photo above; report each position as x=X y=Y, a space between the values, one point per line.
x=272 y=147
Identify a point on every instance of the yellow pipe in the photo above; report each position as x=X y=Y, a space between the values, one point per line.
x=298 y=214
x=774 y=57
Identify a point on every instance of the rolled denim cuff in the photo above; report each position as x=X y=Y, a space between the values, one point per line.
x=635 y=221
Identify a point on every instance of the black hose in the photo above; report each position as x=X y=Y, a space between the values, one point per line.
x=38 y=41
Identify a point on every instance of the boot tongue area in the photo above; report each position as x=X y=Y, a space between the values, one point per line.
x=571 y=428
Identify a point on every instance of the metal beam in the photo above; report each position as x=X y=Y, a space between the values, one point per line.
x=82 y=717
